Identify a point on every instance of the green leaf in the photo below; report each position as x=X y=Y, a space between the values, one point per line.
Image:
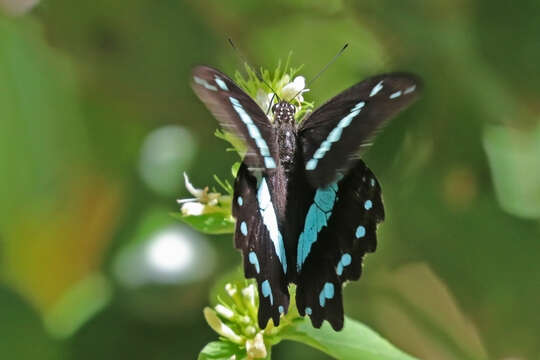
x=356 y=341
x=212 y=223
x=39 y=119
x=238 y=144
x=221 y=350
x=235 y=167
x=511 y=154
x=79 y=304
x=225 y=185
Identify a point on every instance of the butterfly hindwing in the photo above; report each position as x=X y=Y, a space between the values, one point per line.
x=238 y=114
x=258 y=239
x=340 y=227
x=334 y=133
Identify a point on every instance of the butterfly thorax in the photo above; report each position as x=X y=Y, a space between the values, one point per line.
x=283 y=112
x=286 y=132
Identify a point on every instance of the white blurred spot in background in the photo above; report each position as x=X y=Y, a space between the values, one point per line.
x=169 y=252
x=165 y=154
x=172 y=255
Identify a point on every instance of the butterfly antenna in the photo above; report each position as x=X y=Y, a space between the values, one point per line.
x=243 y=59
x=310 y=82
x=271 y=103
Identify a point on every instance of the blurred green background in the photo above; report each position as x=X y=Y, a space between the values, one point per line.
x=98 y=122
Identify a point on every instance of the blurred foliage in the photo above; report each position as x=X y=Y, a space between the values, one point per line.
x=82 y=85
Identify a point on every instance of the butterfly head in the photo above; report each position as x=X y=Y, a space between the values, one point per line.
x=283 y=112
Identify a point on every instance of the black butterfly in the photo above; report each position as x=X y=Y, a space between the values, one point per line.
x=306 y=207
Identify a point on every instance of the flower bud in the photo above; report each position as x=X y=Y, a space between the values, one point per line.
x=255 y=348
x=215 y=323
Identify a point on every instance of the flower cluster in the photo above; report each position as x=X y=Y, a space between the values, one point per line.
x=290 y=91
x=234 y=318
x=283 y=84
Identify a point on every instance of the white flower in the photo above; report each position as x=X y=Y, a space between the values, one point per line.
x=264 y=100
x=191 y=208
x=195 y=206
x=192 y=189
x=283 y=81
x=294 y=88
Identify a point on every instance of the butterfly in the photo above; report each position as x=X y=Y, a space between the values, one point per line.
x=306 y=206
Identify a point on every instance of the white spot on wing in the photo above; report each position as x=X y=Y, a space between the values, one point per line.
x=409 y=90
x=204 y=83
x=376 y=89
x=395 y=95
x=221 y=83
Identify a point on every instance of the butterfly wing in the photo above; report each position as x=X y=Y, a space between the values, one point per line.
x=258 y=236
x=340 y=227
x=334 y=133
x=238 y=114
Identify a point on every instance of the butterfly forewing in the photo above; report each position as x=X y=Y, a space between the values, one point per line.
x=334 y=133
x=238 y=114
x=349 y=211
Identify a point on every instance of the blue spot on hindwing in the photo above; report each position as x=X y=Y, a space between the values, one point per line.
x=317 y=217
x=254 y=260
x=267 y=291
x=243 y=228
x=368 y=204
x=327 y=292
x=240 y=201
x=345 y=261
x=266 y=208
x=280 y=309
x=254 y=132
x=360 y=232
x=308 y=311
x=311 y=164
